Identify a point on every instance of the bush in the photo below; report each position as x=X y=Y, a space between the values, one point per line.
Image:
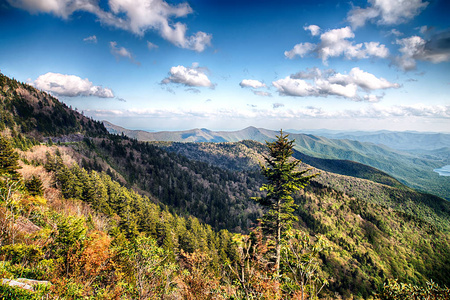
x=392 y=290
x=15 y=293
x=21 y=253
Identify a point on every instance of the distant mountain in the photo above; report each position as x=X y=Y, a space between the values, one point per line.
x=193 y=135
x=413 y=169
x=408 y=140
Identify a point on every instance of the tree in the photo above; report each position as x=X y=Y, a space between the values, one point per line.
x=9 y=159
x=282 y=182
x=34 y=186
x=300 y=263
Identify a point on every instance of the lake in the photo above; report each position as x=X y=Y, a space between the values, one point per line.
x=444 y=171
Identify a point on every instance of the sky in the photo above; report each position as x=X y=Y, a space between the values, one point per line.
x=226 y=65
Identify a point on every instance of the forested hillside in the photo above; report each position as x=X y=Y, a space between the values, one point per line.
x=103 y=216
x=414 y=168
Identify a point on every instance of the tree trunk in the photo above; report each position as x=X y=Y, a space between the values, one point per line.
x=278 y=242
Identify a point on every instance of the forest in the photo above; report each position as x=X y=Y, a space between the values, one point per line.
x=85 y=214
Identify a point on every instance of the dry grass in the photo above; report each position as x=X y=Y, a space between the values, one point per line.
x=38 y=154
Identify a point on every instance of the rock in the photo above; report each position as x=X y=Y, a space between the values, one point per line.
x=25 y=283
x=19 y=284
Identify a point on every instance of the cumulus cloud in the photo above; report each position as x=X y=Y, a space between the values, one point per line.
x=136 y=16
x=364 y=80
x=386 y=12
x=335 y=43
x=315 y=30
x=189 y=76
x=251 y=83
x=90 y=39
x=330 y=83
x=254 y=85
x=121 y=52
x=435 y=50
x=300 y=50
x=70 y=86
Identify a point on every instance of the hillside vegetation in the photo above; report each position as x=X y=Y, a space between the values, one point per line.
x=413 y=168
x=103 y=216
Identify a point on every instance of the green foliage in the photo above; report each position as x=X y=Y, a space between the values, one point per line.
x=187 y=187
x=283 y=182
x=71 y=231
x=8 y=159
x=15 y=293
x=21 y=253
x=148 y=264
x=34 y=186
x=35 y=113
x=300 y=264
x=393 y=290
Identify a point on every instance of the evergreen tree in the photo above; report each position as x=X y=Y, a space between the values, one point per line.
x=282 y=182
x=8 y=159
x=34 y=186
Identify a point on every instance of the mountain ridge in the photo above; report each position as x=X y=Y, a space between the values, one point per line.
x=410 y=168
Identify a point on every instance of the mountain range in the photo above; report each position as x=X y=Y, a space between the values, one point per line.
x=414 y=167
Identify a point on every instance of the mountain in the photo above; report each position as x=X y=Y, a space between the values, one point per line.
x=407 y=141
x=193 y=135
x=117 y=214
x=412 y=169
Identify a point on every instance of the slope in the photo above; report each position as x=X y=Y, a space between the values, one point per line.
x=412 y=169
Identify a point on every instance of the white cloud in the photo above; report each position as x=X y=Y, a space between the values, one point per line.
x=326 y=87
x=386 y=12
x=151 y=46
x=435 y=50
x=256 y=84
x=59 y=8
x=121 y=52
x=331 y=83
x=136 y=16
x=375 y=49
x=70 y=86
x=300 y=50
x=374 y=111
x=262 y=94
x=312 y=73
x=90 y=39
x=294 y=87
x=335 y=43
x=364 y=80
x=197 y=42
x=188 y=76
x=315 y=30
x=395 y=32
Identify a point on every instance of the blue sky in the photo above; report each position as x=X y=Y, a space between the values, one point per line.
x=226 y=65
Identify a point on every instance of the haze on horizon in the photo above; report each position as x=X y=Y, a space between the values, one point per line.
x=226 y=65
